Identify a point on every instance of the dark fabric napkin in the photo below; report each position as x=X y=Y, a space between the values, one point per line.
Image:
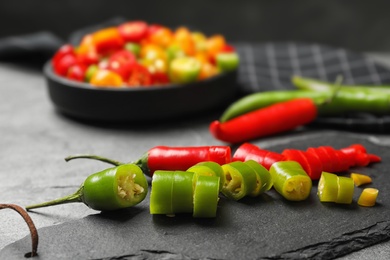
x=263 y=67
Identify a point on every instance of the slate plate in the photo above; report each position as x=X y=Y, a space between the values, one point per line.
x=267 y=227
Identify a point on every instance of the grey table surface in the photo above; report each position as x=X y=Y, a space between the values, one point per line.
x=35 y=138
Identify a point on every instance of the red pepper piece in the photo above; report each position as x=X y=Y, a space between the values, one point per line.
x=182 y=158
x=323 y=157
x=329 y=157
x=314 y=165
x=274 y=119
x=249 y=151
x=374 y=158
x=362 y=159
x=299 y=157
x=333 y=155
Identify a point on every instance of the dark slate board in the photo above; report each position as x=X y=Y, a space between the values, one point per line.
x=267 y=227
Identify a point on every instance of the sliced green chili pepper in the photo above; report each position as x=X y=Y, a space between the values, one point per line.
x=206 y=196
x=240 y=180
x=333 y=188
x=208 y=169
x=184 y=70
x=348 y=98
x=345 y=190
x=327 y=187
x=263 y=178
x=172 y=192
x=227 y=61
x=114 y=188
x=290 y=180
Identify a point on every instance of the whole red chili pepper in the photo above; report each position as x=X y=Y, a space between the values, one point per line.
x=172 y=158
x=248 y=151
x=270 y=120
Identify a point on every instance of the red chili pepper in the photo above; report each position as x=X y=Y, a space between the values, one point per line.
x=266 y=121
x=182 y=158
x=249 y=151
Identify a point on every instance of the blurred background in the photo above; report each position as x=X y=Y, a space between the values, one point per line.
x=356 y=25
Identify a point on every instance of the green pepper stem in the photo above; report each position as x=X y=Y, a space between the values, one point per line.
x=75 y=197
x=94 y=157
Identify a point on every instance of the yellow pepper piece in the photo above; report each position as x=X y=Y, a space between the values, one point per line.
x=368 y=197
x=360 y=179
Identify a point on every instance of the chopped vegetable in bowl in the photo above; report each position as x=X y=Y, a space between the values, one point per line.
x=136 y=53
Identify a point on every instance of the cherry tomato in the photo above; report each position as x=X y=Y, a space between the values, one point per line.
x=159 y=78
x=88 y=58
x=160 y=35
x=207 y=70
x=86 y=45
x=121 y=62
x=107 y=40
x=133 y=31
x=184 y=40
x=140 y=76
x=215 y=45
x=106 y=78
x=62 y=65
x=64 y=50
x=77 y=72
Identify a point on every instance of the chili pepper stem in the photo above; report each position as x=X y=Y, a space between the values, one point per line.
x=75 y=197
x=94 y=157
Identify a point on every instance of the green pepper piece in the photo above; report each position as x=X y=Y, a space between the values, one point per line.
x=227 y=61
x=161 y=193
x=345 y=190
x=208 y=169
x=263 y=178
x=206 y=196
x=184 y=70
x=90 y=71
x=182 y=192
x=290 y=180
x=114 y=188
x=240 y=180
x=133 y=48
x=327 y=187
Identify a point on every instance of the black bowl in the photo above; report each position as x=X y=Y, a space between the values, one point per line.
x=84 y=101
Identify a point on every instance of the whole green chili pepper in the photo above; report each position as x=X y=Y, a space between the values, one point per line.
x=290 y=180
x=347 y=98
x=258 y=100
x=111 y=189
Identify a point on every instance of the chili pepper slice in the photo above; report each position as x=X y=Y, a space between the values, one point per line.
x=263 y=178
x=360 y=179
x=290 y=180
x=345 y=190
x=182 y=192
x=111 y=189
x=161 y=194
x=240 y=180
x=208 y=169
x=227 y=61
x=327 y=187
x=206 y=197
x=368 y=197
x=184 y=70
x=271 y=120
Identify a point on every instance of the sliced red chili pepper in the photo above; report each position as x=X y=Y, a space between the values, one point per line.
x=299 y=157
x=331 y=160
x=62 y=65
x=270 y=120
x=314 y=165
x=344 y=161
x=77 y=72
x=139 y=76
x=362 y=159
x=122 y=62
x=332 y=154
x=133 y=31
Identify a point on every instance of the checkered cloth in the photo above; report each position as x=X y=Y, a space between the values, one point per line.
x=270 y=66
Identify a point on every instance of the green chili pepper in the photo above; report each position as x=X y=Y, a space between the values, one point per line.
x=206 y=196
x=133 y=48
x=227 y=61
x=263 y=177
x=208 y=169
x=184 y=70
x=348 y=98
x=240 y=180
x=114 y=188
x=327 y=187
x=263 y=99
x=172 y=192
x=291 y=180
x=333 y=188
